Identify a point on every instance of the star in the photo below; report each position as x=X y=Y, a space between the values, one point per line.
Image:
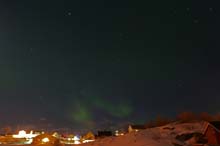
x=69 y=14
x=195 y=21
x=29 y=52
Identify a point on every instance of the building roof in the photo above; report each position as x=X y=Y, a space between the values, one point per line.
x=216 y=124
x=207 y=124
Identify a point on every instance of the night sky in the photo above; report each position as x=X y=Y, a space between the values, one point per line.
x=97 y=64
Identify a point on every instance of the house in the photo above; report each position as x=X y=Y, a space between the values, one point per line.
x=212 y=132
x=135 y=128
x=46 y=140
x=89 y=136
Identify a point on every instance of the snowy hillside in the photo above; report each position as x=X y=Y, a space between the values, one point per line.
x=159 y=136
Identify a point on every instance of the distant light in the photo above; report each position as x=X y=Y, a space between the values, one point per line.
x=76 y=138
x=116 y=133
x=29 y=141
x=77 y=142
x=23 y=134
x=86 y=141
x=69 y=13
x=45 y=140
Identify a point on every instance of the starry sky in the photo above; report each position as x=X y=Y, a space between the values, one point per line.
x=97 y=64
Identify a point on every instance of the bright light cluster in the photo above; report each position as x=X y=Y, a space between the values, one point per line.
x=45 y=140
x=23 y=134
x=29 y=137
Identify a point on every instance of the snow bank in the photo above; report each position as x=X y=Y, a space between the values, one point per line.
x=159 y=136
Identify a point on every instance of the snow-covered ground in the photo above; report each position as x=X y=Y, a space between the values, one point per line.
x=159 y=136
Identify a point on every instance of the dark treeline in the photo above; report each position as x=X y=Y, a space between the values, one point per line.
x=183 y=117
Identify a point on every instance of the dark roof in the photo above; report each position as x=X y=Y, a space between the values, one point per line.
x=104 y=133
x=138 y=126
x=216 y=124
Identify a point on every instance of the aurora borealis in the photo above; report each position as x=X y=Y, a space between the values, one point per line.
x=99 y=64
x=84 y=111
